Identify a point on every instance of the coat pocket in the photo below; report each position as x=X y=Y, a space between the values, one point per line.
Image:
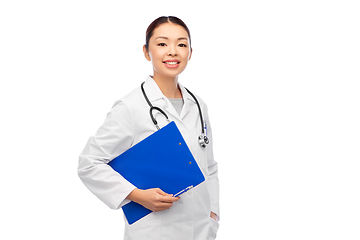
x=149 y=230
x=214 y=226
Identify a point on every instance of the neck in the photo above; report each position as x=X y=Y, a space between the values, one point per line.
x=168 y=86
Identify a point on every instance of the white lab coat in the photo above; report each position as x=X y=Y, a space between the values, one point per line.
x=128 y=123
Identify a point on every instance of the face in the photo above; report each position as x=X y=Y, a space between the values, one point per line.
x=169 y=50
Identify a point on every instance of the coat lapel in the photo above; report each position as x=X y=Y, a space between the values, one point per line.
x=157 y=98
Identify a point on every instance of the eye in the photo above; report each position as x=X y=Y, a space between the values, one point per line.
x=182 y=45
x=162 y=44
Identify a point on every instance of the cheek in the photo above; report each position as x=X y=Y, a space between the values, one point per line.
x=185 y=54
x=153 y=56
x=156 y=60
x=158 y=53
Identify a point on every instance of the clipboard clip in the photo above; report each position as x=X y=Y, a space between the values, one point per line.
x=183 y=191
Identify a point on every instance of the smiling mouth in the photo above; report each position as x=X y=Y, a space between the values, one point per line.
x=171 y=64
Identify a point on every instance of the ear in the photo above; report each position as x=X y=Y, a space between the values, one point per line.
x=146 y=53
x=190 y=53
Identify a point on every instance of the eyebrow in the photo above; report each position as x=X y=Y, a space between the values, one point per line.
x=181 y=38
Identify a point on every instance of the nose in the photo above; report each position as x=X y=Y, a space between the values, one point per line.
x=172 y=50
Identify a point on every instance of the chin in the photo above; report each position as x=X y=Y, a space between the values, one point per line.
x=169 y=73
x=174 y=72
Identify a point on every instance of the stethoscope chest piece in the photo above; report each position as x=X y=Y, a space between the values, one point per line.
x=203 y=140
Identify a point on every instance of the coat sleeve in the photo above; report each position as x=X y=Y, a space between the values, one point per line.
x=213 y=180
x=113 y=138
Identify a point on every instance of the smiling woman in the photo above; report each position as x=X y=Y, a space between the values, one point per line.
x=195 y=214
x=168 y=47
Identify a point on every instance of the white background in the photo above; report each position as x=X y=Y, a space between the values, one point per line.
x=281 y=79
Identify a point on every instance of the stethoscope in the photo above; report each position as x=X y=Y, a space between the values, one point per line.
x=203 y=139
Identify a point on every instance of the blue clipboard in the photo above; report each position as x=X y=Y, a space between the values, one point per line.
x=162 y=160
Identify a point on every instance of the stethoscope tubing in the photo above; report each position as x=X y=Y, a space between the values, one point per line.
x=200 y=113
x=203 y=140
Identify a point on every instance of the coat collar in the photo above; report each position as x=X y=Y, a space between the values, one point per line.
x=157 y=98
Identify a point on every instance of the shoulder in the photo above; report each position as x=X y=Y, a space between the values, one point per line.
x=203 y=105
x=131 y=106
x=128 y=99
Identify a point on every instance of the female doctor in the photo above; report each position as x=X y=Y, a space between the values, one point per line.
x=195 y=214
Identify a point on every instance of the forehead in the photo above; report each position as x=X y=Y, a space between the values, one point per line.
x=171 y=31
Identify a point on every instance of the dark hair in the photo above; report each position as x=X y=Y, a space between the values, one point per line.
x=161 y=20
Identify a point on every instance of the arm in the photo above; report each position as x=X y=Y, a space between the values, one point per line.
x=154 y=199
x=113 y=137
x=213 y=181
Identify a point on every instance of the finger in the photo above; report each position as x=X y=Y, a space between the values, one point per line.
x=169 y=199
x=213 y=216
x=162 y=206
x=161 y=192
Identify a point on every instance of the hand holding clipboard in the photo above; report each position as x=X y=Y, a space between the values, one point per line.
x=162 y=160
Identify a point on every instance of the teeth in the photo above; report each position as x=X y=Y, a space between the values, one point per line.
x=171 y=63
